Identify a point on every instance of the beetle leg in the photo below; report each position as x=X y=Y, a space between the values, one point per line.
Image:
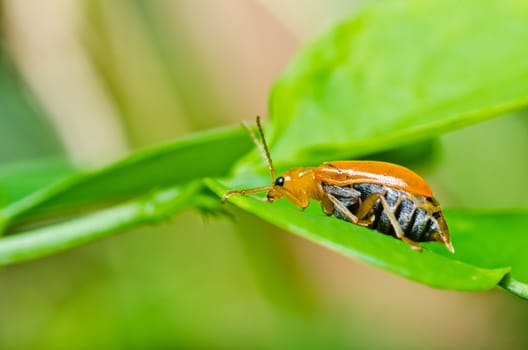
x=394 y=222
x=422 y=203
x=351 y=217
x=292 y=198
x=345 y=195
x=327 y=206
x=244 y=192
x=366 y=207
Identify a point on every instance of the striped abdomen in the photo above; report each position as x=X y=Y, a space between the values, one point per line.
x=416 y=221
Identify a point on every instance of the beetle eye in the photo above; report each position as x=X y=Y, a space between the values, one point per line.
x=279 y=181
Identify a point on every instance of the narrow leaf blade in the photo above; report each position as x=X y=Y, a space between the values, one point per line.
x=154 y=207
x=429 y=267
x=199 y=155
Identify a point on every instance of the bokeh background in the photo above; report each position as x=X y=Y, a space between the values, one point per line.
x=88 y=81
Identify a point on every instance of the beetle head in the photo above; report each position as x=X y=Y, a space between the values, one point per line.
x=295 y=184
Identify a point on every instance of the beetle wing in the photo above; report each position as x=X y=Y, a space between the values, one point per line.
x=343 y=173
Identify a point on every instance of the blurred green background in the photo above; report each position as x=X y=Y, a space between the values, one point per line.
x=86 y=81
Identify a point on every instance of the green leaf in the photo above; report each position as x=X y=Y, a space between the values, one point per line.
x=210 y=153
x=473 y=267
x=490 y=239
x=18 y=179
x=400 y=71
x=154 y=207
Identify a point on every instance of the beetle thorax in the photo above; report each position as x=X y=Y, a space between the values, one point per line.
x=298 y=186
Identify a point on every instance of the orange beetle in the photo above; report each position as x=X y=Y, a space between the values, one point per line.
x=383 y=196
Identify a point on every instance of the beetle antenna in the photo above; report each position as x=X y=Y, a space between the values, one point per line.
x=266 y=149
x=262 y=146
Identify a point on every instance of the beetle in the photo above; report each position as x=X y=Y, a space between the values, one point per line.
x=379 y=195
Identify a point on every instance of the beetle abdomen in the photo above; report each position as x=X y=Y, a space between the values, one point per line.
x=417 y=223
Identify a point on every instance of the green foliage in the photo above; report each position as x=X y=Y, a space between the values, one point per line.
x=154 y=207
x=491 y=239
x=380 y=250
x=150 y=169
x=487 y=243
x=398 y=73
x=46 y=171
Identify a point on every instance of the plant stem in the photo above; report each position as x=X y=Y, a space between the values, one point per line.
x=37 y=243
x=515 y=287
